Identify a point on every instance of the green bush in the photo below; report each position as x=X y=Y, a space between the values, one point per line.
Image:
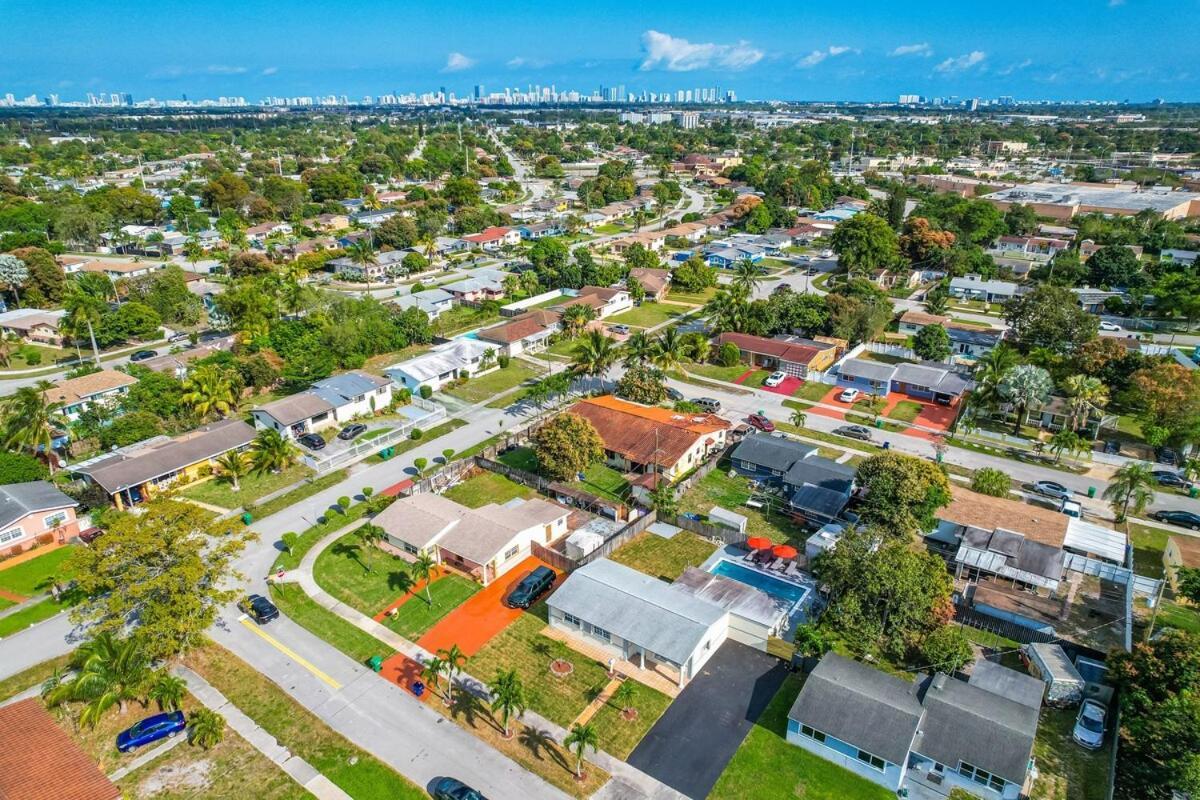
x=991 y=481
x=426 y=392
x=729 y=355
x=503 y=361
x=344 y=502
x=420 y=464
x=416 y=434
x=32 y=356
x=21 y=468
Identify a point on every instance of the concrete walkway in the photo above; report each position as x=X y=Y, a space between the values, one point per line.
x=598 y=703
x=296 y=767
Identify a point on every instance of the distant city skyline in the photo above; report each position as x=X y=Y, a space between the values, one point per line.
x=1070 y=50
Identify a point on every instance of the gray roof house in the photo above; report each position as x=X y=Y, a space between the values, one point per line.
x=327 y=402
x=937 y=733
x=639 y=618
x=19 y=500
x=975 y=287
x=922 y=381
x=817 y=488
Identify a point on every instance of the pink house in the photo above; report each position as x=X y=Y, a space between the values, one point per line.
x=35 y=513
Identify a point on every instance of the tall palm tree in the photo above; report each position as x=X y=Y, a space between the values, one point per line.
x=84 y=312
x=110 y=671
x=580 y=738
x=530 y=283
x=726 y=311
x=1084 y=395
x=594 y=354
x=639 y=349
x=30 y=420
x=1131 y=485
x=508 y=697
x=368 y=535
x=454 y=659
x=363 y=254
x=235 y=464
x=746 y=277
x=432 y=673
x=669 y=349
x=576 y=317
x=699 y=347
x=272 y=452
x=1065 y=440
x=423 y=569
x=209 y=390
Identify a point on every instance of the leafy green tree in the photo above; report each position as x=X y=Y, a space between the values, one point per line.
x=625 y=695
x=46 y=283
x=932 y=343
x=1025 y=386
x=1115 y=265
x=423 y=569
x=235 y=465
x=594 y=354
x=991 y=481
x=746 y=277
x=669 y=349
x=454 y=659
x=693 y=276
x=947 y=649
x=21 y=468
x=13 y=275
x=863 y=243
x=1049 y=317
x=209 y=391
x=729 y=355
x=567 y=445
x=902 y=493
x=1020 y=220
x=638 y=257
x=642 y=384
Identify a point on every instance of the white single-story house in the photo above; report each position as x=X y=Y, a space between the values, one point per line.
x=485 y=542
x=442 y=364
x=326 y=403
x=77 y=395
x=975 y=287
x=432 y=301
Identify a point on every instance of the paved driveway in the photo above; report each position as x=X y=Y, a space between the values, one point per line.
x=689 y=746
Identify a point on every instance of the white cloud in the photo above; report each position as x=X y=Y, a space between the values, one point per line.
x=817 y=56
x=270 y=70
x=516 y=62
x=923 y=49
x=224 y=69
x=679 y=55
x=456 y=62
x=965 y=61
x=1011 y=68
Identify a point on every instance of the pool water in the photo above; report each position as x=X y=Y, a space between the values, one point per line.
x=790 y=593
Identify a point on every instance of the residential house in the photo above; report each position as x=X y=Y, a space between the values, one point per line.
x=329 y=222
x=115 y=270
x=817 y=489
x=484 y=542
x=77 y=395
x=381 y=266
x=920 y=381
x=373 y=219
x=540 y=230
x=641 y=438
x=477 y=288
x=445 y=363
x=178 y=364
x=965 y=340
x=1088 y=248
x=33 y=325
x=432 y=301
x=258 y=234
x=655 y=282
x=975 y=287
x=327 y=403
x=605 y=301
x=1043 y=246
x=526 y=333
x=493 y=238
x=449 y=245
x=136 y=473
x=793 y=355
x=1094 y=301
x=1056 y=414
x=938 y=733
x=1180 y=552
x=1183 y=258
x=638 y=618
x=35 y=513
x=39 y=759
x=895 y=279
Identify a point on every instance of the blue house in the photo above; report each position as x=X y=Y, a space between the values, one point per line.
x=933 y=733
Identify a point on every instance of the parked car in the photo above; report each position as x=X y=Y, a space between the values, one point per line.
x=178 y=337
x=90 y=535
x=674 y=394
x=849 y=395
x=260 y=608
x=1109 y=326
x=782 y=288
x=1052 y=489
x=854 y=432
x=453 y=789
x=1112 y=447
x=352 y=431
x=1167 y=456
x=1184 y=519
x=1089 y=725
x=761 y=422
x=621 y=330
x=775 y=378
x=143 y=355
x=531 y=587
x=151 y=729
x=313 y=441
x=1167 y=478
x=710 y=404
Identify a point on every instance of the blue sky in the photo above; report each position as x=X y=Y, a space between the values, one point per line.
x=871 y=49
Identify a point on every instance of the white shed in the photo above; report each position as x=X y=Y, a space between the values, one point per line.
x=728 y=519
x=822 y=541
x=581 y=543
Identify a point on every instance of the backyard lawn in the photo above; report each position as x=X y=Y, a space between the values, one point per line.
x=647 y=315
x=664 y=558
x=694 y=298
x=766 y=765
x=462 y=318
x=905 y=411
x=520 y=458
x=1148 y=545
x=718 y=489
x=32 y=577
x=601 y=479
x=219 y=492
x=487 y=487
x=484 y=387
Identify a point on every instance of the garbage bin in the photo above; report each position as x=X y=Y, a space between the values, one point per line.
x=247 y=518
x=879 y=422
x=1193 y=491
x=375 y=663
x=1091 y=491
x=418 y=688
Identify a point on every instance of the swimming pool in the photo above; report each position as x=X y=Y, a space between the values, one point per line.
x=471 y=335
x=789 y=593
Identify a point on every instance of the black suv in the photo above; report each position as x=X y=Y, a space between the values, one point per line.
x=531 y=587
x=143 y=355
x=312 y=441
x=259 y=607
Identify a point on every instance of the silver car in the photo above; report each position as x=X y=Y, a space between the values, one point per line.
x=1089 y=725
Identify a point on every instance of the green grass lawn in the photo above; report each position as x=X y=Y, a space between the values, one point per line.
x=462 y=318
x=693 y=298
x=417 y=616
x=905 y=411
x=481 y=388
x=664 y=558
x=357 y=772
x=362 y=576
x=329 y=522
x=718 y=489
x=1148 y=545
x=27 y=678
x=375 y=433
x=601 y=479
x=1066 y=770
x=1171 y=614
x=400 y=448
x=618 y=736
x=719 y=373
x=520 y=458
x=33 y=576
x=30 y=615
x=647 y=315
x=219 y=492
x=298 y=494
x=563 y=347
x=610 y=228
x=766 y=765
x=812 y=391
x=755 y=380
x=304 y=611
x=487 y=487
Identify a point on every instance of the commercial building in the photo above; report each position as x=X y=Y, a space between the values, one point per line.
x=1062 y=201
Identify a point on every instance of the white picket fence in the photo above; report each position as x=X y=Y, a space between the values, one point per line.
x=323 y=464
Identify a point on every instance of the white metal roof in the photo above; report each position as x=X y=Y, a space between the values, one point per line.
x=1086 y=537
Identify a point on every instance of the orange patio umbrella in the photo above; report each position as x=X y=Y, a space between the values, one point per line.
x=784 y=551
x=758 y=543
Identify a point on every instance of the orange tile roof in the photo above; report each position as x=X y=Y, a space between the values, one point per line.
x=39 y=760
x=646 y=434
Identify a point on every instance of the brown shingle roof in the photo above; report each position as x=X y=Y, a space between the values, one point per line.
x=982 y=511
x=38 y=759
x=1189 y=550
x=921 y=318
x=75 y=389
x=520 y=327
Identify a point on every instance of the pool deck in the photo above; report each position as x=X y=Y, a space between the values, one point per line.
x=799 y=614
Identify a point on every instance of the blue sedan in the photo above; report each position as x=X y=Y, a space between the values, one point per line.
x=151 y=729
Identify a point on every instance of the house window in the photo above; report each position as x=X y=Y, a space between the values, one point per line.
x=812 y=733
x=571 y=619
x=54 y=520
x=512 y=551
x=980 y=776
x=600 y=633
x=11 y=535
x=408 y=548
x=872 y=761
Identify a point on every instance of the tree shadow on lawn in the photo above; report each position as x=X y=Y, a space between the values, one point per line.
x=538 y=741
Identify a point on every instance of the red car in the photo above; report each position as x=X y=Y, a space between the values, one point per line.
x=762 y=423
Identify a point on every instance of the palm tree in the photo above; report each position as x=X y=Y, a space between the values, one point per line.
x=30 y=420
x=669 y=350
x=235 y=465
x=1024 y=386
x=363 y=254
x=206 y=728
x=208 y=390
x=272 y=452
x=1131 y=485
x=1084 y=394
x=1064 y=440
x=512 y=284
x=936 y=301
x=625 y=695
x=529 y=282
x=594 y=354
x=726 y=311
x=699 y=347
x=580 y=738
x=746 y=277
x=13 y=274
x=454 y=660
x=639 y=348
x=168 y=691
x=432 y=673
x=110 y=671
x=508 y=697
x=84 y=311
x=799 y=418
x=423 y=569
x=368 y=535
x=576 y=317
